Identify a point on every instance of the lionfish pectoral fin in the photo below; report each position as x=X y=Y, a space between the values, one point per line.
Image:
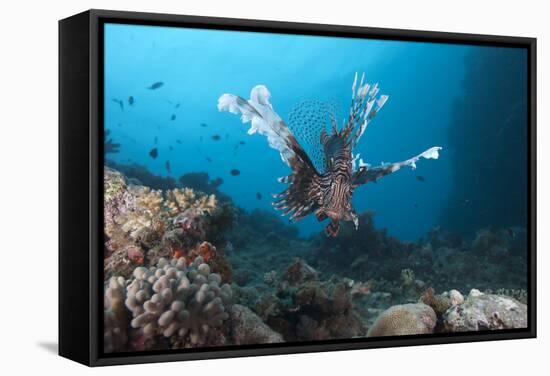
x=324 y=136
x=332 y=228
x=320 y=215
x=301 y=197
x=355 y=219
x=366 y=174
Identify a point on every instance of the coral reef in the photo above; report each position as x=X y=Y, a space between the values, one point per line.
x=115 y=318
x=170 y=255
x=439 y=303
x=299 y=272
x=140 y=175
x=123 y=261
x=492 y=259
x=143 y=225
x=200 y=181
x=301 y=307
x=406 y=319
x=481 y=312
x=172 y=299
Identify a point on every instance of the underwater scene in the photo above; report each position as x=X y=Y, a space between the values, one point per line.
x=275 y=188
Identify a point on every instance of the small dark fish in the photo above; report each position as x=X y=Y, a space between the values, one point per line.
x=227 y=135
x=173 y=117
x=209 y=159
x=235 y=172
x=167 y=165
x=415 y=205
x=120 y=103
x=156 y=139
x=178 y=141
x=156 y=85
x=176 y=105
x=204 y=125
x=258 y=195
x=170 y=148
x=154 y=153
x=216 y=137
x=120 y=124
x=420 y=178
x=131 y=100
x=237 y=147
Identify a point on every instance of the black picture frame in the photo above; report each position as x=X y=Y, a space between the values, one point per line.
x=80 y=185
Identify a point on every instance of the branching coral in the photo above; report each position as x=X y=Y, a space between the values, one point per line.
x=180 y=200
x=115 y=317
x=173 y=299
x=158 y=222
x=148 y=217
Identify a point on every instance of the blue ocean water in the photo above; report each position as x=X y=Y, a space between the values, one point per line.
x=424 y=81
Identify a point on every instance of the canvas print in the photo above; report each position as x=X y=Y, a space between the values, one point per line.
x=264 y=188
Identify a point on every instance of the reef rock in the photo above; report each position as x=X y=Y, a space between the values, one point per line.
x=249 y=329
x=485 y=312
x=298 y=272
x=406 y=319
x=439 y=303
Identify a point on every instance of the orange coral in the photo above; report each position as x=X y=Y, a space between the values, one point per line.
x=210 y=255
x=207 y=251
x=178 y=252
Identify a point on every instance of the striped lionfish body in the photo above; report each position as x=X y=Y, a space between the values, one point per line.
x=326 y=190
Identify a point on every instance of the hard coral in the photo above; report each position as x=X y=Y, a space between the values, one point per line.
x=179 y=200
x=406 y=319
x=115 y=319
x=173 y=299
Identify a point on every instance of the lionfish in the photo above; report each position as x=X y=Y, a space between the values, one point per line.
x=324 y=184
